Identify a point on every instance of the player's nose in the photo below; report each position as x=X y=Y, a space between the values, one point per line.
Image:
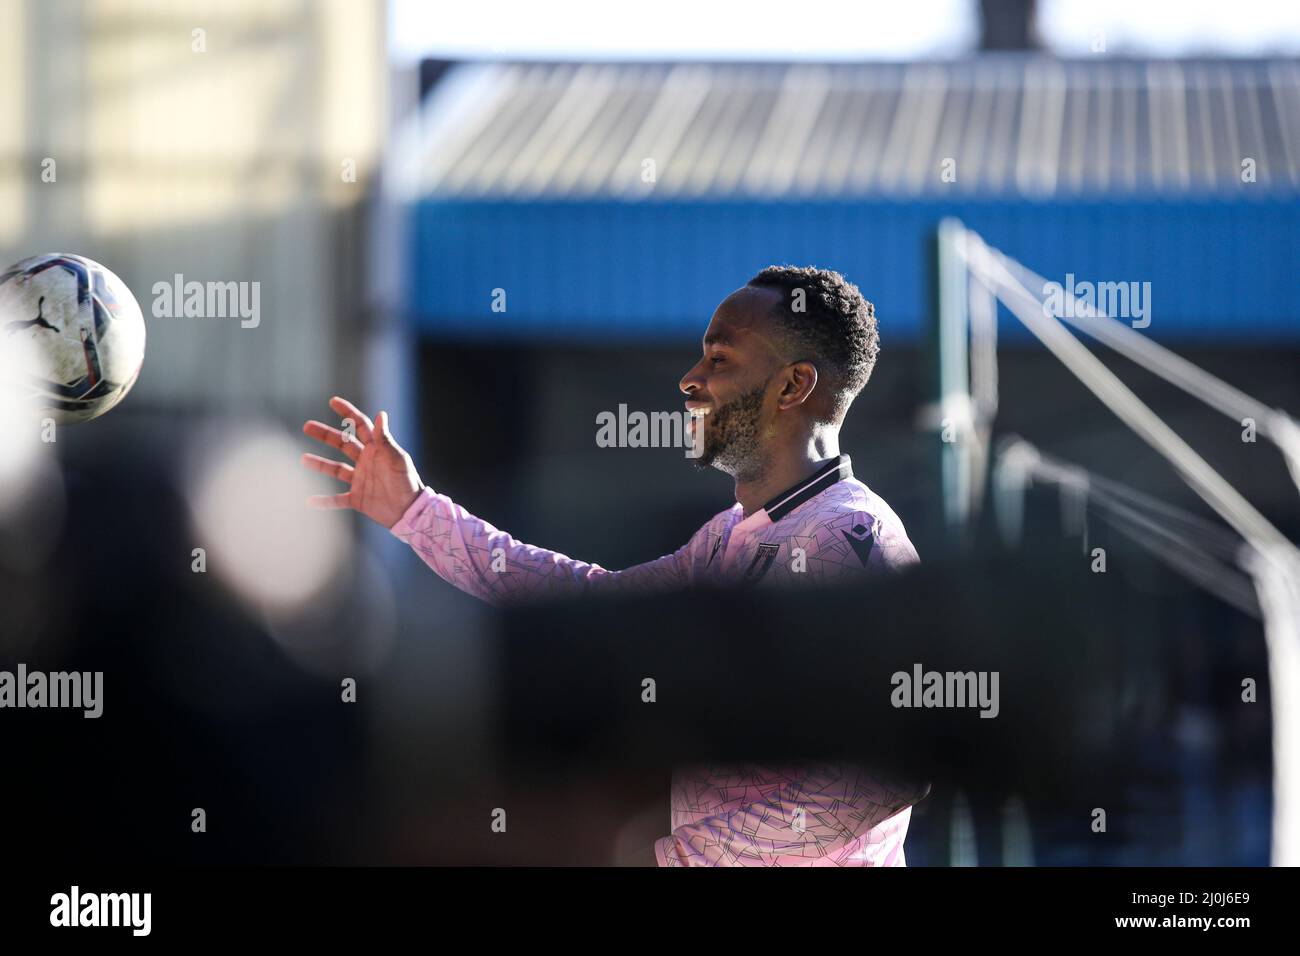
x=692 y=380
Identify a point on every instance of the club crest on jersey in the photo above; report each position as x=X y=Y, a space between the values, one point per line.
x=763 y=559
x=861 y=536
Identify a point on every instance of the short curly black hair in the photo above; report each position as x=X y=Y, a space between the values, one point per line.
x=830 y=323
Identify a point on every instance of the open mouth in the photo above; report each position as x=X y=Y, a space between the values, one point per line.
x=696 y=415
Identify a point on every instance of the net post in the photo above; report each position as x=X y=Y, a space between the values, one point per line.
x=951 y=337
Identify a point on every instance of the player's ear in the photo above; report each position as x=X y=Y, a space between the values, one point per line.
x=798 y=384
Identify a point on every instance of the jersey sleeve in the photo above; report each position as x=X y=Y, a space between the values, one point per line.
x=479 y=559
x=809 y=819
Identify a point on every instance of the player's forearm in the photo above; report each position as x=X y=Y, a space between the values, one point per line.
x=480 y=559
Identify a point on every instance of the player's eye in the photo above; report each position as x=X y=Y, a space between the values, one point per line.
x=715 y=359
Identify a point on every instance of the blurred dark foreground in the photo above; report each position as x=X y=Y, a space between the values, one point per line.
x=1120 y=691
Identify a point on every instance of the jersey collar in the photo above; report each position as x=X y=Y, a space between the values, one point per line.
x=837 y=469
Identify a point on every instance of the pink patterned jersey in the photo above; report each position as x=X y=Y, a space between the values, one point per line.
x=828 y=527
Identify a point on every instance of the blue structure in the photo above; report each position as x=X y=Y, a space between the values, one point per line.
x=1118 y=171
x=605 y=272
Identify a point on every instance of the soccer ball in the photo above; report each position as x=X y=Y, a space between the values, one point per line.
x=71 y=336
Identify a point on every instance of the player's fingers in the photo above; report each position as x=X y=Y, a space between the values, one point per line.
x=334 y=438
x=346 y=410
x=381 y=428
x=326 y=466
x=330 y=502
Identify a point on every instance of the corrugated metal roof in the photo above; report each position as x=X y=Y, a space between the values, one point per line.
x=1027 y=125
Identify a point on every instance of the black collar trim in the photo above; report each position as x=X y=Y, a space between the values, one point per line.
x=837 y=469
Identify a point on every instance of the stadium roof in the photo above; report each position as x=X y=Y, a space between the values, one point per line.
x=1028 y=125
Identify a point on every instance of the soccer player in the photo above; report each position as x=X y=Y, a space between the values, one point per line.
x=784 y=356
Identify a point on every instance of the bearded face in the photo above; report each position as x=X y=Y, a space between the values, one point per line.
x=731 y=435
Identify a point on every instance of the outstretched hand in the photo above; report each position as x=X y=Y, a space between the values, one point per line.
x=383 y=479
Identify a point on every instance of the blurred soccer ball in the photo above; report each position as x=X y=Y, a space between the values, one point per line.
x=71 y=336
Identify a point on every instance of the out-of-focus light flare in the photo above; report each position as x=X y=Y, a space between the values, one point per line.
x=28 y=464
x=33 y=505
x=247 y=496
